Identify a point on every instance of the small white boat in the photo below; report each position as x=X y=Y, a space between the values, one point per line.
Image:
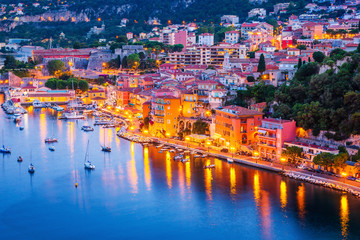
x=52 y=148
x=210 y=166
x=172 y=150
x=71 y=115
x=37 y=104
x=160 y=146
x=57 y=108
x=184 y=160
x=21 y=128
x=204 y=155
x=4 y=149
x=87 y=128
x=197 y=155
x=50 y=140
x=88 y=164
x=105 y=149
x=19 y=159
x=230 y=160
x=31 y=168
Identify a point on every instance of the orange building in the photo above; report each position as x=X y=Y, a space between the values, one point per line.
x=146 y=109
x=165 y=112
x=235 y=126
x=98 y=96
x=189 y=105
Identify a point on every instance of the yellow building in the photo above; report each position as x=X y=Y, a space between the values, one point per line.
x=165 y=111
x=95 y=96
x=51 y=96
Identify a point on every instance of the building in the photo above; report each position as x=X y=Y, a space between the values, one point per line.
x=165 y=112
x=235 y=126
x=280 y=6
x=272 y=134
x=232 y=19
x=232 y=37
x=189 y=105
x=206 y=39
x=313 y=30
x=311 y=150
x=129 y=35
x=257 y=12
x=95 y=96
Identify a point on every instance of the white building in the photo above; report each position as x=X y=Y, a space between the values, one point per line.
x=260 y=12
x=233 y=19
x=232 y=37
x=206 y=39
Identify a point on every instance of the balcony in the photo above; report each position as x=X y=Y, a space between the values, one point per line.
x=267 y=145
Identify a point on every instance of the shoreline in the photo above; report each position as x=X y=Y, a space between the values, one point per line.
x=290 y=173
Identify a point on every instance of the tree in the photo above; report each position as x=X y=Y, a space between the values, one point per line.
x=55 y=65
x=261 y=66
x=83 y=85
x=10 y=62
x=178 y=47
x=324 y=159
x=299 y=63
x=51 y=83
x=200 y=127
x=301 y=47
x=318 y=56
x=124 y=62
x=293 y=154
x=250 y=79
x=133 y=60
x=340 y=160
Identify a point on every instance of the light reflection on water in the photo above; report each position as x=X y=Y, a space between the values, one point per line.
x=134 y=187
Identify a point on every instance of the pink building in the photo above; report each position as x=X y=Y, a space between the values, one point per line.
x=181 y=38
x=130 y=35
x=272 y=134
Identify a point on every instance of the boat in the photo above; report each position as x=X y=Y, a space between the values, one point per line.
x=105 y=148
x=178 y=157
x=17 y=119
x=71 y=115
x=184 y=159
x=21 y=128
x=210 y=166
x=197 y=155
x=87 y=128
x=204 y=155
x=172 y=150
x=37 y=104
x=19 y=159
x=51 y=139
x=230 y=160
x=160 y=146
x=4 y=149
x=88 y=164
x=31 y=168
x=57 y=108
x=52 y=148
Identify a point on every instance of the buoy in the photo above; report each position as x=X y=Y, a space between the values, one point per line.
x=76 y=185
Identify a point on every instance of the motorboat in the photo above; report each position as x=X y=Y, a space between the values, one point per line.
x=172 y=150
x=57 y=108
x=19 y=159
x=160 y=146
x=87 y=128
x=197 y=155
x=230 y=160
x=50 y=140
x=17 y=119
x=105 y=149
x=21 y=128
x=210 y=166
x=37 y=104
x=4 y=149
x=178 y=157
x=52 y=148
x=31 y=168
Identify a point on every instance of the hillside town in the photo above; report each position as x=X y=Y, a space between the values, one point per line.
x=180 y=82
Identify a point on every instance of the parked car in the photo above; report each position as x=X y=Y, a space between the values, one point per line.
x=351 y=178
x=224 y=150
x=311 y=169
x=357 y=180
x=319 y=171
x=330 y=173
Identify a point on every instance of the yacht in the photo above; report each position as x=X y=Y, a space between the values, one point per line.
x=88 y=164
x=31 y=168
x=57 y=108
x=37 y=104
x=50 y=140
x=230 y=160
x=4 y=149
x=105 y=148
x=71 y=115
x=19 y=159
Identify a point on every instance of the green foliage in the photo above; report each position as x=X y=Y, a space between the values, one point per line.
x=293 y=154
x=301 y=47
x=250 y=79
x=319 y=56
x=55 y=66
x=83 y=85
x=299 y=63
x=71 y=83
x=114 y=63
x=200 y=127
x=10 y=62
x=133 y=60
x=324 y=159
x=124 y=62
x=261 y=65
x=337 y=54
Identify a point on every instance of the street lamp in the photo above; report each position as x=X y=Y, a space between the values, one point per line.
x=256 y=154
x=232 y=151
x=208 y=143
x=282 y=160
x=344 y=175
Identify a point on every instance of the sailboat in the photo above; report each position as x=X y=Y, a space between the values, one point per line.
x=104 y=148
x=88 y=164
x=51 y=139
x=31 y=168
x=4 y=149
